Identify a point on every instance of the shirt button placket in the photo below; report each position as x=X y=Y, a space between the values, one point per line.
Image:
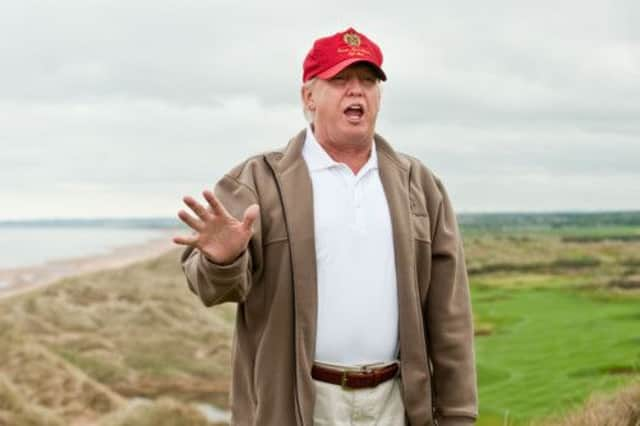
x=358 y=206
x=352 y=191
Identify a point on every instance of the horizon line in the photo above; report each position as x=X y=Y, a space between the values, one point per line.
x=174 y=218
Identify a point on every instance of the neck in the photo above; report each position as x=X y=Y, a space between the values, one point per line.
x=354 y=154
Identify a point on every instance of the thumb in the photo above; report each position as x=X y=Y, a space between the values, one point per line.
x=250 y=216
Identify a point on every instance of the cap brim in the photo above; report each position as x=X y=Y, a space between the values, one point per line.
x=327 y=74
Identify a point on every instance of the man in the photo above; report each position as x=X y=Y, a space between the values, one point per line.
x=346 y=263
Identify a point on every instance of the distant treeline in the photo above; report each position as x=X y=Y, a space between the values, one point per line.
x=547 y=221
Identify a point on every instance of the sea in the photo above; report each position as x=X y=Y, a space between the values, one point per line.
x=34 y=242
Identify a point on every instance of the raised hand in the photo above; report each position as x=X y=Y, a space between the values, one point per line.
x=218 y=235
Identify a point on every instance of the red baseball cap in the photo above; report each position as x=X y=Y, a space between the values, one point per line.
x=330 y=55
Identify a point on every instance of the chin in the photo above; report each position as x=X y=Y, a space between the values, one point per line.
x=360 y=131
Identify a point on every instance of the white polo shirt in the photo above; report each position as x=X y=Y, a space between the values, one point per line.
x=357 y=293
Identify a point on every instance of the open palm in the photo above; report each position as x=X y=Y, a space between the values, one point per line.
x=218 y=235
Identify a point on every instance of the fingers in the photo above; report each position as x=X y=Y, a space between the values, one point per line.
x=185 y=241
x=216 y=206
x=197 y=208
x=191 y=221
x=250 y=216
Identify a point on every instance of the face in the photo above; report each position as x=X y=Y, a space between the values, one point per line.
x=345 y=107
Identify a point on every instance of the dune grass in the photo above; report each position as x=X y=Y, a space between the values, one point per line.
x=620 y=409
x=556 y=318
x=77 y=350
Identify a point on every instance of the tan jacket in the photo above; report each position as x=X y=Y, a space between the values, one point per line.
x=274 y=284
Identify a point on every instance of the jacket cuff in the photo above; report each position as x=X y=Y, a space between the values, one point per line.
x=225 y=273
x=456 y=421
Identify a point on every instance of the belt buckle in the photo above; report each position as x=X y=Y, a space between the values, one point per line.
x=343 y=380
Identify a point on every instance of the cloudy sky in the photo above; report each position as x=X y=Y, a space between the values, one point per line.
x=118 y=108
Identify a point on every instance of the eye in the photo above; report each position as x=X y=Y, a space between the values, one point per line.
x=369 y=80
x=338 y=80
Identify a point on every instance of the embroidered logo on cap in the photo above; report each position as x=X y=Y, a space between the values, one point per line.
x=352 y=39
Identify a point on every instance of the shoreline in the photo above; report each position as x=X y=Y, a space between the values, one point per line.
x=15 y=281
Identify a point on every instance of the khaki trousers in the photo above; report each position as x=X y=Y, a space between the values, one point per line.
x=378 y=406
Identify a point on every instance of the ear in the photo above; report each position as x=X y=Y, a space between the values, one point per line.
x=307 y=98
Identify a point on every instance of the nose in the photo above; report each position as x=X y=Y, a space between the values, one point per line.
x=354 y=86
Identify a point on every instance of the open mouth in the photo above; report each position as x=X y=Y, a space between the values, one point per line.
x=354 y=112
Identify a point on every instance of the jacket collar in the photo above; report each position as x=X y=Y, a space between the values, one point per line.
x=287 y=157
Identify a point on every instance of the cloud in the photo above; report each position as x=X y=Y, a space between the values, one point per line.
x=128 y=105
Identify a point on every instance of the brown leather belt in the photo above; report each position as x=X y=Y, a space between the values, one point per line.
x=354 y=379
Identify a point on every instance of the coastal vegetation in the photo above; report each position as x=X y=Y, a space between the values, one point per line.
x=119 y=347
x=556 y=303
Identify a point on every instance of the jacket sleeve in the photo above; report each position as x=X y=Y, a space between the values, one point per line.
x=450 y=323
x=214 y=283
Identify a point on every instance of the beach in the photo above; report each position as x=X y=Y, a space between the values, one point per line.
x=18 y=280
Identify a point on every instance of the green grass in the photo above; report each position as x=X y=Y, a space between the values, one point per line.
x=549 y=349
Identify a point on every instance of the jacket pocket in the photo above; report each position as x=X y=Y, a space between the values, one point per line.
x=420 y=221
x=421 y=226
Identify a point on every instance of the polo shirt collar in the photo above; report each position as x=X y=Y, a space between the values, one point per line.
x=318 y=159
